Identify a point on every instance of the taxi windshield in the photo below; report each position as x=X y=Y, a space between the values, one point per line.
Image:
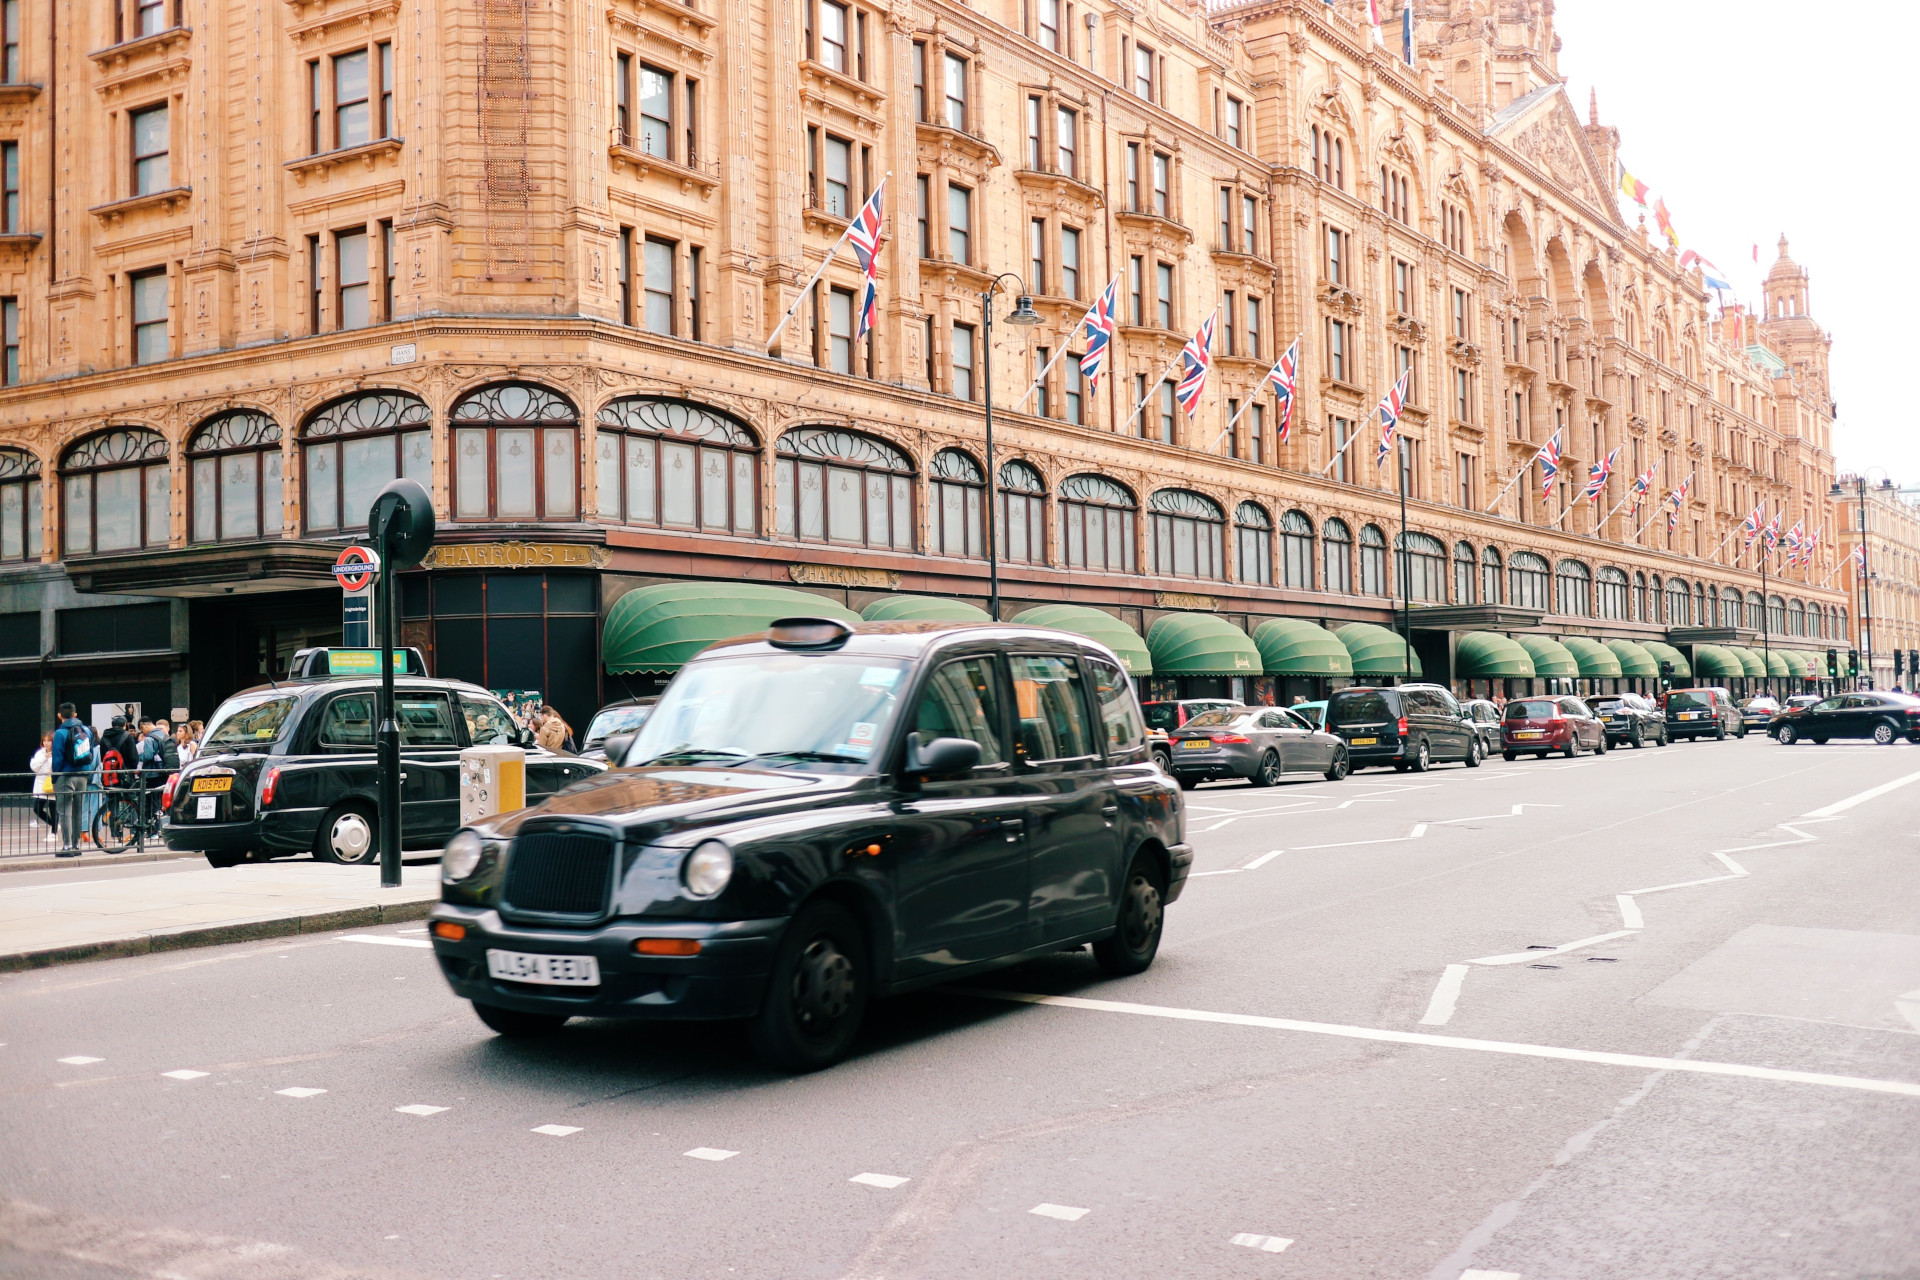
x=616 y=720
x=779 y=709
x=250 y=724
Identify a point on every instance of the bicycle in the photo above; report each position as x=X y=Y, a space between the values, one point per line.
x=122 y=820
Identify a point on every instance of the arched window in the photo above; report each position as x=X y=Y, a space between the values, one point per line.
x=20 y=515
x=956 y=494
x=353 y=447
x=1796 y=618
x=675 y=466
x=1754 y=607
x=1373 y=561
x=838 y=486
x=1187 y=535
x=1492 y=577
x=1253 y=544
x=1423 y=560
x=1730 y=607
x=1021 y=529
x=1700 y=604
x=1610 y=593
x=1573 y=586
x=1676 y=603
x=1296 y=550
x=1777 y=615
x=515 y=455
x=117 y=492
x=1336 y=545
x=1329 y=156
x=1842 y=629
x=1465 y=573
x=1639 y=603
x=1527 y=581
x=233 y=477
x=1096 y=524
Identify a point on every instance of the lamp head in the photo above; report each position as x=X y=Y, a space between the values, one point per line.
x=1023 y=312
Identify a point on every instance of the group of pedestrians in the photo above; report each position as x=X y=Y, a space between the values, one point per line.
x=75 y=767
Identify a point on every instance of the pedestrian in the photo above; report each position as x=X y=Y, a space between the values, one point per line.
x=73 y=752
x=159 y=756
x=43 y=807
x=552 y=732
x=185 y=744
x=117 y=750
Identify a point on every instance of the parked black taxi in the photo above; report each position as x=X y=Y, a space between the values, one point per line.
x=289 y=768
x=819 y=815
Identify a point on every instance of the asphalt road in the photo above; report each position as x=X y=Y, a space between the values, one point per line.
x=1650 y=1015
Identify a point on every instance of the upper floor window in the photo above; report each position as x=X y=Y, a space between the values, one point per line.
x=152 y=143
x=1250 y=225
x=1066 y=142
x=1097 y=524
x=956 y=80
x=919 y=58
x=135 y=18
x=1296 y=550
x=1334 y=264
x=1253 y=544
x=1020 y=523
x=152 y=340
x=1336 y=545
x=1187 y=534
x=1464 y=573
x=234 y=478
x=515 y=455
x=1403 y=294
x=1236 y=131
x=10 y=41
x=956 y=497
x=1069 y=262
x=1049 y=26
x=116 y=492
x=350 y=98
x=1144 y=69
x=962 y=363
x=1453 y=227
x=1610 y=593
x=350 y=450
x=1373 y=561
x=1329 y=156
x=9 y=188
x=1396 y=198
x=9 y=341
x=960 y=224
x=832 y=35
x=20 y=497
x=1492 y=577
x=1163 y=184
x=675 y=466
x=1462 y=315
x=837 y=486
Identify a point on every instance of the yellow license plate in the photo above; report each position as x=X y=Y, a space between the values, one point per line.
x=1366 y=742
x=1196 y=744
x=1526 y=733
x=213 y=784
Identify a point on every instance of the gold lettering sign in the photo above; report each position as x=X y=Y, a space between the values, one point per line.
x=835 y=575
x=1182 y=600
x=516 y=555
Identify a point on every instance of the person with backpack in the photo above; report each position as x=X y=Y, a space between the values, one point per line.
x=159 y=756
x=74 y=752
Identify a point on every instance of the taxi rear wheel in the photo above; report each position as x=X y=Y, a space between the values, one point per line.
x=514 y=1023
x=347 y=835
x=817 y=992
x=1130 y=948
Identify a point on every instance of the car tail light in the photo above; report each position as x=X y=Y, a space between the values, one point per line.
x=1401 y=728
x=1229 y=737
x=1557 y=720
x=268 y=787
x=166 y=792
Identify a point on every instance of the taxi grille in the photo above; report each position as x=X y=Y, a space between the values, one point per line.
x=559 y=873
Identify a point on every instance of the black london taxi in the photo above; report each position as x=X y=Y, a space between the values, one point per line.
x=289 y=768
x=820 y=815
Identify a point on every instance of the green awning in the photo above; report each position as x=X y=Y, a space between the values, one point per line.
x=1635 y=661
x=1596 y=660
x=1293 y=647
x=660 y=628
x=923 y=609
x=1094 y=624
x=1664 y=652
x=1797 y=663
x=1711 y=662
x=1778 y=665
x=1376 y=651
x=1551 y=659
x=1751 y=662
x=1200 y=644
x=1814 y=663
x=1488 y=655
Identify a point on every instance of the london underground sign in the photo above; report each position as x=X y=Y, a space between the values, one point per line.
x=356 y=568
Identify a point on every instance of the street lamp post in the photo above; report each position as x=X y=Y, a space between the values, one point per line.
x=1025 y=316
x=1866 y=570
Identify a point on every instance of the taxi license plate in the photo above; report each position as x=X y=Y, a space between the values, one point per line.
x=1526 y=733
x=222 y=783
x=550 y=971
x=1366 y=742
x=1196 y=744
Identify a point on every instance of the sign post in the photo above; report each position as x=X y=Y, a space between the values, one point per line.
x=401 y=528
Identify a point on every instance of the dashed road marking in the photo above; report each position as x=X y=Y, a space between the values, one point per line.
x=81 y=1060
x=1629 y=911
x=885 y=1181
x=1265 y=1244
x=1263 y=860
x=1540 y=954
x=555 y=1130
x=710 y=1153
x=1871 y=793
x=1445 y=996
x=299 y=1092
x=379 y=941
x=183 y=1074
x=419 y=1109
x=1060 y=1211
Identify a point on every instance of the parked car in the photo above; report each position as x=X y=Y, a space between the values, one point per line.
x=817 y=816
x=1257 y=743
x=1314 y=713
x=1170 y=715
x=1409 y=726
x=1883 y=717
x=1632 y=719
x=1706 y=712
x=1486 y=722
x=624 y=716
x=290 y=768
x=1545 y=725
x=1758 y=711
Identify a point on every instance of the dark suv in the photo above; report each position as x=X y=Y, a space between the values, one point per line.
x=819 y=815
x=1631 y=719
x=1409 y=726
x=1706 y=712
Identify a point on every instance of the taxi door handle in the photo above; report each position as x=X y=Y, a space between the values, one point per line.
x=1109 y=809
x=1013 y=827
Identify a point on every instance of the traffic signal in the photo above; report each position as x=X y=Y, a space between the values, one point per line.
x=1899 y=663
x=1913 y=665
x=1833 y=664
x=1853 y=662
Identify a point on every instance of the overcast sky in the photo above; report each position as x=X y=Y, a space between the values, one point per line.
x=1761 y=117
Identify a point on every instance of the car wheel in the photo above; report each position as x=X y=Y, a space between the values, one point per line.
x=1269 y=771
x=1786 y=736
x=1741 y=732
x=1509 y=756
x=1600 y=747
x=1883 y=734
x=1473 y=754
x=1573 y=745
x=1131 y=946
x=1423 y=759
x=221 y=861
x=1164 y=760
x=817 y=992
x=348 y=835
x=1637 y=736
x=1339 y=768
x=518 y=1025
x=1720 y=733
x=1663 y=739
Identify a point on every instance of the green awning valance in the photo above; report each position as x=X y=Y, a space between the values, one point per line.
x=1635 y=661
x=1778 y=664
x=1596 y=660
x=1551 y=660
x=1711 y=662
x=1094 y=624
x=1751 y=662
x=1488 y=655
x=1199 y=644
x=1797 y=663
x=1813 y=662
x=660 y=628
x=923 y=609
x=1293 y=647
x=1664 y=652
x=1376 y=651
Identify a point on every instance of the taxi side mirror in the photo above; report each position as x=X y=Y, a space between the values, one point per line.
x=616 y=748
x=524 y=739
x=941 y=756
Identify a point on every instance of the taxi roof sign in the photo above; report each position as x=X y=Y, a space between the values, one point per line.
x=311 y=664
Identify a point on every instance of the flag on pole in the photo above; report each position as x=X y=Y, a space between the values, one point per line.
x=1282 y=376
x=1195 y=359
x=1100 y=324
x=1664 y=220
x=1373 y=19
x=1772 y=532
x=1812 y=545
x=1598 y=474
x=1631 y=187
x=1549 y=459
x=1643 y=483
x=1390 y=406
x=1751 y=525
x=864 y=233
x=1796 y=540
x=1406 y=31
x=1679 y=501
x=1710 y=275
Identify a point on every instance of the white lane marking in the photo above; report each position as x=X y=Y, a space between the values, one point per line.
x=1263 y=860
x=1900 y=1088
x=1486 y=817
x=419 y=1109
x=183 y=1074
x=1629 y=911
x=1908 y=1006
x=299 y=1092
x=1060 y=1211
x=1230 y=871
x=81 y=1060
x=1542 y=953
x=383 y=942
x=710 y=1153
x=1871 y=793
x=1489 y=1275
x=555 y=1130
x=1265 y=1244
x=1216 y=826
x=885 y=1181
x=1445 y=995
x=1419 y=830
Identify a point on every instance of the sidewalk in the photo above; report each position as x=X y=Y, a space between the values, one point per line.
x=58 y=923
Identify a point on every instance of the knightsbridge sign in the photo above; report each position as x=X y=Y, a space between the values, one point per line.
x=516 y=555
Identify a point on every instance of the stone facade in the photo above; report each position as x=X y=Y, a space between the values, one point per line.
x=1888 y=521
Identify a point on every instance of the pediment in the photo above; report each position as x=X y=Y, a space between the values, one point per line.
x=1543 y=129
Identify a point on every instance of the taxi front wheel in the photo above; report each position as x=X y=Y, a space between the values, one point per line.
x=816 y=993
x=1130 y=948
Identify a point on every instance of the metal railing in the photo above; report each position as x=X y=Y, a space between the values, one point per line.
x=98 y=817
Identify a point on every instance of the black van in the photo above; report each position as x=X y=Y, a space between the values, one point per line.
x=1409 y=726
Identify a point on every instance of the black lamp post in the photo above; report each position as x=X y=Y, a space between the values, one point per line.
x=1866 y=572
x=1025 y=316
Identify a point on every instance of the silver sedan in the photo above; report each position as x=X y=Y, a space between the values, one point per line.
x=1256 y=743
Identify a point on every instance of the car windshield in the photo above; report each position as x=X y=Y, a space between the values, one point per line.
x=616 y=720
x=1687 y=700
x=1610 y=704
x=1532 y=709
x=1216 y=719
x=248 y=724
x=1762 y=704
x=1357 y=708
x=488 y=724
x=780 y=707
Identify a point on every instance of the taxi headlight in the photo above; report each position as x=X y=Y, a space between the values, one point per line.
x=707 y=869
x=462 y=854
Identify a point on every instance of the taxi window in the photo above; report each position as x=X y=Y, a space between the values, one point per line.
x=1163 y=716
x=488 y=724
x=248 y=726
x=348 y=722
x=1119 y=711
x=426 y=720
x=1052 y=713
x=962 y=700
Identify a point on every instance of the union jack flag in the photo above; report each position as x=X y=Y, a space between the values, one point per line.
x=865 y=233
x=1549 y=457
x=1751 y=525
x=1643 y=483
x=1389 y=410
x=1679 y=501
x=1100 y=324
x=1282 y=377
x=1795 y=539
x=1772 y=531
x=1807 y=547
x=1195 y=359
x=1597 y=476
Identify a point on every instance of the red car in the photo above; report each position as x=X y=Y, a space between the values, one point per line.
x=1543 y=725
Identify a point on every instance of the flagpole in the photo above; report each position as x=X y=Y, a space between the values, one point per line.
x=1155 y=384
x=807 y=288
x=1337 y=452
x=1228 y=429
x=1067 y=342
x=1656 y=515
x=1516 y=480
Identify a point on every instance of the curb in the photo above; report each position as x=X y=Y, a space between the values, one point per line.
x=47 y=862
x=140 y=944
